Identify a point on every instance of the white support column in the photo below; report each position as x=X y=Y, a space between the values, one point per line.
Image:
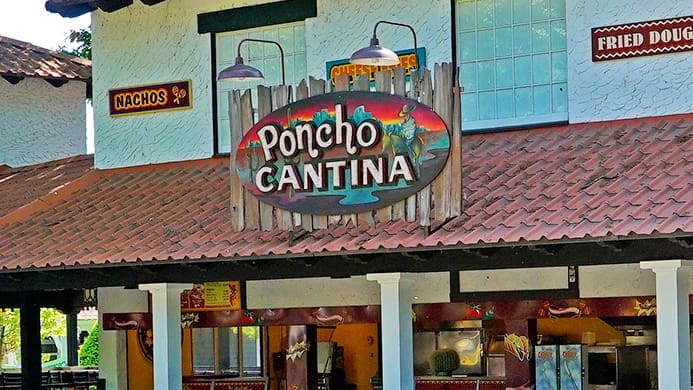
x=166 y=333
x=673 y=329
x=397 y=331
x=113 y=364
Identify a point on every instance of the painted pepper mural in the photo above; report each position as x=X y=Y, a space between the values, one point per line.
x=343 y=152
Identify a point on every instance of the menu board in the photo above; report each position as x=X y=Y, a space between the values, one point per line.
x=212 y=296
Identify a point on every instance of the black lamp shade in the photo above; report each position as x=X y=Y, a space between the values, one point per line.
x=374 y=55
x=240 y=72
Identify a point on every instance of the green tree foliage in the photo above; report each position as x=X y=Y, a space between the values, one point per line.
x=79 y=43
x=89 y=353
x=53 y=323
x=9 y=331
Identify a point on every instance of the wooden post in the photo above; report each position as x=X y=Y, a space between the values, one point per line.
x=302 y=357
x=518 y=373
x=30 y=333
x=72 y=339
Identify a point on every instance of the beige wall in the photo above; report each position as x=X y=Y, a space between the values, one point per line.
x=514 y=279
x=314 y=292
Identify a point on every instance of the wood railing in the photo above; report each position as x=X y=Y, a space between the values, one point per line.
x=57 y=379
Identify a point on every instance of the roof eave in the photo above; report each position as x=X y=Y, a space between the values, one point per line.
x=69 y=10
x=75 y=8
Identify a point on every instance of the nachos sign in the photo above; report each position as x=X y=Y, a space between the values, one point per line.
x=343 y=152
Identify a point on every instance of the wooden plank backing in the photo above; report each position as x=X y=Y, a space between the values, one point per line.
x=281 y=96
x=456 y=148
x=425 y=97
x=442 y=104
x=341 y=83
x=362 y=83
x=415 y=83
x=236 y=187
x=252 y=204
x=439 y=200
x=306 y=220
x=398 y=87
x=264 y=107
x=317 y=87
x=383 y=83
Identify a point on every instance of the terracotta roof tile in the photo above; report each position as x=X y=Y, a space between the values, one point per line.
x=585 y=181
x=19 y=58
x=19 y=187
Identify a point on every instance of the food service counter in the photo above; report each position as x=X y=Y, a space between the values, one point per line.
x=460 y=383
x=224 y=382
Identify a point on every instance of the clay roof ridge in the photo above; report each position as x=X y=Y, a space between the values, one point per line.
x=7 y=169
x=207 y=162
x=27 y=60
x=38 y=49
x=46 y=201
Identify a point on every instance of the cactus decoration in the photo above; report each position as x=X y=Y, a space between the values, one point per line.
x=444 y=361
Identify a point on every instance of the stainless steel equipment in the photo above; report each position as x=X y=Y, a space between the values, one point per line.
x=468 y=342
x=619 y=367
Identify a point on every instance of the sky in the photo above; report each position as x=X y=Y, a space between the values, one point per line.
x=28 y=21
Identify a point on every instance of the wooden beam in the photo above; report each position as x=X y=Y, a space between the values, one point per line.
x=325 y=265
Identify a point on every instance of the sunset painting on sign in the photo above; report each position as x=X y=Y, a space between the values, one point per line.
x=343 y=152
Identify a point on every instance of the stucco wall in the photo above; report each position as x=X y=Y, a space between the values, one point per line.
x=515 y=279
x=624 y=88
x=145 y=45
x=320 y=292
x=595 y=281
x=40 y=122
x=342 y=27
x=150 y=44
x=599 y=281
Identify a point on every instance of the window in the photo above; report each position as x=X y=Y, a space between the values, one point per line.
x=265 y=57
x=226 y=349
x=512 y=58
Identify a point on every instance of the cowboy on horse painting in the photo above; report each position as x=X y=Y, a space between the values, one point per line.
x=407 y=141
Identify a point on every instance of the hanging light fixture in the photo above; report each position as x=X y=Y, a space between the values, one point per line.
x=374 y=54
x=242 y=72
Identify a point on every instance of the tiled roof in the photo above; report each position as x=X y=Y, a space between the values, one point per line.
x=629 y=178
x=19 y=58
x=73 y=8
x=19 y=187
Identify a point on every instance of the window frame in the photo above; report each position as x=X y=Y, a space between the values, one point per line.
x=513 y=122
x=242 y=18
x=235 y=339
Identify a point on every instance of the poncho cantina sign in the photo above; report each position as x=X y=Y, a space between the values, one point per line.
x=342 y=153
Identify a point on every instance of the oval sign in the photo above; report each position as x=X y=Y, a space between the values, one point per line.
x=343 y=153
